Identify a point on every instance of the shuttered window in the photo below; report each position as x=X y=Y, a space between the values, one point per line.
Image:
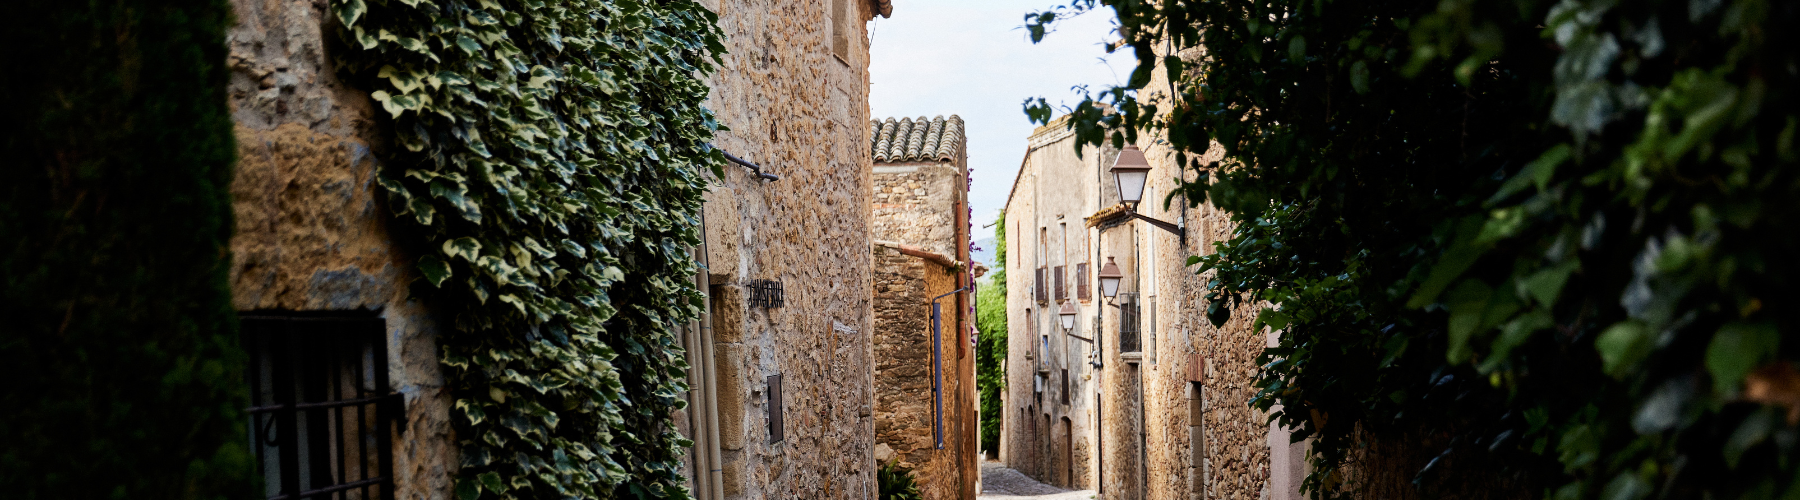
x=1082 y=290
x=1056 y=277
x=321 y=414
x=1041 y=294
x=1128 y=323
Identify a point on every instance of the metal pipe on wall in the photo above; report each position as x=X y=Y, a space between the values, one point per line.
x=703 y=416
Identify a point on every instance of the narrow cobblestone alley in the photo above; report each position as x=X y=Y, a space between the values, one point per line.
x=998 y=482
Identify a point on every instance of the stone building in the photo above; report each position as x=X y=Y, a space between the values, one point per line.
x=924 y=365
x=782 y=391
x=785 y=410
x=313 y=254
x=1049 y=427
x=1141 y=398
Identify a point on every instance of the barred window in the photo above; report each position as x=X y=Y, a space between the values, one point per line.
x=321 y=413
x=1128 y=323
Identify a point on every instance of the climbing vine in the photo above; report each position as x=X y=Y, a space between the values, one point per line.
x=552 y=170
x=1549 y=236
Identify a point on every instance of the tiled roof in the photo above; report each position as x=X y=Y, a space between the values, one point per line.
x=916 y=139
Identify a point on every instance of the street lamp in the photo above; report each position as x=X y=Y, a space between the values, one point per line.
x=1131 y=171
x=1067 y=315
x=1109 y=279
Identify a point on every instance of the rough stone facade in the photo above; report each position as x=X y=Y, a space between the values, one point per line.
x=921 y=230
x=1204 y=439
x=1166 y=418
x=794 y=91
x=1051 y=403
x=312 y=228
x=313 y=236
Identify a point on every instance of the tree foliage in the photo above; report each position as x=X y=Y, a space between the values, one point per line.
x=1553 y=232
x=553 y=171
x=990 y=349
x=118 y=342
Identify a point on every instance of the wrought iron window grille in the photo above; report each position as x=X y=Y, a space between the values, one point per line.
x=767 y=294
x=1129 y=334
x=322 y=415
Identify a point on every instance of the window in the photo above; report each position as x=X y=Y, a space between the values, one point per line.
x=321 y=414
x=1128 y=322
x=1041 y=294
x=1063 y=242
x=1081 y=282
x=1150 y=332
x=1056 y=280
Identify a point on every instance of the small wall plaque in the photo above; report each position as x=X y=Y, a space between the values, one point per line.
x=766 y=294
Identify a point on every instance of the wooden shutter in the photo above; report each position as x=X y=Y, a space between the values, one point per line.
x=1042 y=295
x=1062 y=291
x=1082 y=290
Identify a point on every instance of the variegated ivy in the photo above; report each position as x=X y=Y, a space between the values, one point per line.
x=553 y=166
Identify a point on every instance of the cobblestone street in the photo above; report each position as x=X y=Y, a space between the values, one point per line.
x=998 y=482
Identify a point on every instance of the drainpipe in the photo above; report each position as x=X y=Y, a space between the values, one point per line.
x=703 y=398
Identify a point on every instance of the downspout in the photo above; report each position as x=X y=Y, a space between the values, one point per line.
x=937 y=367
x=707 y=409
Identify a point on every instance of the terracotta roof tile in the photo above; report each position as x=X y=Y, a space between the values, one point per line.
x=916 y=139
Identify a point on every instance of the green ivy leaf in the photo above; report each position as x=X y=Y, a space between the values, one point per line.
x=1622 y=345
x=1737 y=349
x=435 y=270
x=491 y=481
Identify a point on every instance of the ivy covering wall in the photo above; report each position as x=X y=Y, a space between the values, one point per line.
x=118 y=342
x=1549 y=242
x=553 y=174
x=990 y=348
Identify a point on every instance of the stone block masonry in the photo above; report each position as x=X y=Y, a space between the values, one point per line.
x=921 y=230
x=312 y=227
x=793 y=89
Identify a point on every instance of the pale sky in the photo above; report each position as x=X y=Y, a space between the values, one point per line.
x=973 y=58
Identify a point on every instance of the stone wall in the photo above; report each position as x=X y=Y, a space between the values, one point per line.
x=904 y=409
x=1229 y=451
x=915 y=203
x=919 y=206
x=1169 y=420
x=799 y=108
x=1053 y=412
x=312 y=228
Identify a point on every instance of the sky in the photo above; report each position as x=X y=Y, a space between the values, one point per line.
x=973 y=58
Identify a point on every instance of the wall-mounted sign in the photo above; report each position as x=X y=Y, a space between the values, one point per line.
x=766 y=294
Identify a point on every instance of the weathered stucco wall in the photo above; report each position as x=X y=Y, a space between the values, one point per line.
x=801 y=111
x=312 y=228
